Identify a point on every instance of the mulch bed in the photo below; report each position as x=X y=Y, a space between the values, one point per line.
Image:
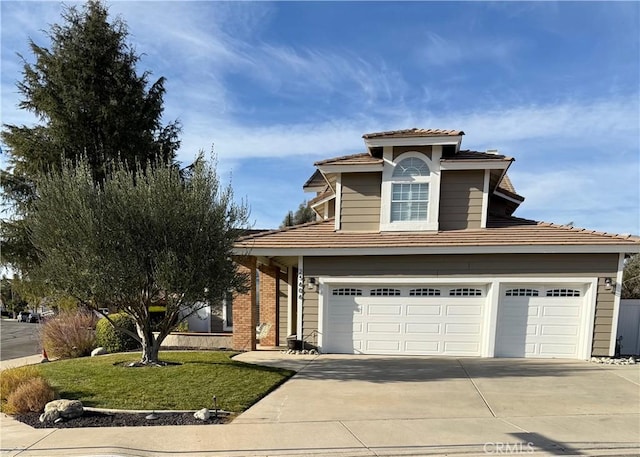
x=100 y=419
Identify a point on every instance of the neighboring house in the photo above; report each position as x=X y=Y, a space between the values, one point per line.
x=416 y=252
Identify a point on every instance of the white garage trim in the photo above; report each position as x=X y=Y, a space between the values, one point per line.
x=493 y=290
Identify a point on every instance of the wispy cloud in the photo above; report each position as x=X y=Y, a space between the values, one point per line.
x=441 y=51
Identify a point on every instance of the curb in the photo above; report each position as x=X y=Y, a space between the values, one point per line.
x=149 y=411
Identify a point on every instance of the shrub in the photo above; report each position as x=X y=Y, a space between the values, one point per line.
x=11 y=378
x=113 y=340
x=70 y=334
x=30 y=396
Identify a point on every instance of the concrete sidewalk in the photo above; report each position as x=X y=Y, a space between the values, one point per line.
x=259 y=433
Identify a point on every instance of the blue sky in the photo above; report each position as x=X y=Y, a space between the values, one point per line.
x=277 y=86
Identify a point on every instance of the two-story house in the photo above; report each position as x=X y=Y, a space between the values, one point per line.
x=416 y=251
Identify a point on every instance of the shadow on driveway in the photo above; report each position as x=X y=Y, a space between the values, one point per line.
x=380 y=369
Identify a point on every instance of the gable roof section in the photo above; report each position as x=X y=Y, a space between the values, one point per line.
x=315 y=181
x=503 y=235
x=414 y=132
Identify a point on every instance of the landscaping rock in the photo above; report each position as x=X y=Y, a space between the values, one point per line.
x=50 y=416
x=202 y=414
x=614 y=361
x=98 y=351
x=67 y=409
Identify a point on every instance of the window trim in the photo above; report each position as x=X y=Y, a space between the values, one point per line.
x=433 y=182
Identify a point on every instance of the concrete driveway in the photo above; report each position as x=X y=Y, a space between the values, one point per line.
x=572 y=407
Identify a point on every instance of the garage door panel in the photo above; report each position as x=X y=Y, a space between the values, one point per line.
x=553 y=349
x=423 y=328
x=384 y=310
x=461 y=347
x=424 y=310
x=461 y=310
x=559 y=330
x=425 y=325
x=561 y=311
x=382 y=327
x=539 y=326
x=463 y=329
x=422 y=346
x=382 y=346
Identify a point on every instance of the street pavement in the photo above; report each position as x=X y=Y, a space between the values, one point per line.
x=391 y=406
x=18 y=339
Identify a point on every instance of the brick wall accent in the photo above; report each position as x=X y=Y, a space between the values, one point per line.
x=244 y=309
x=269 y=301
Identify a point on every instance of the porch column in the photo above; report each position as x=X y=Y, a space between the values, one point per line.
x=245 y=318
x=269 y=301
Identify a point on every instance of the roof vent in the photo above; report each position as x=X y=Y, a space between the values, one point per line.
x=492 y=151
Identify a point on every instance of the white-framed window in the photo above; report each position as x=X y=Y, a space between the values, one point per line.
x=424 y=292
x=385 y=292
x=227 y=312
x=563 y=293
x=408 y=185
x=346 y=291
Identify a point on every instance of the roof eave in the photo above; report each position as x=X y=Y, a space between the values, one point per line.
x=488 y=249
x=413 y=141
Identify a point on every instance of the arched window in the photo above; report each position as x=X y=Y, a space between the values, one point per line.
x=410 y=167
x=409 y=191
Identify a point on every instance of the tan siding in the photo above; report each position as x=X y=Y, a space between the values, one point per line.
x=310 y=318
x=360 y=199
x=332 y=208
x=461 y=199
x=397 y=150
x=283 y=289
x=604 y=317
x=601 y=265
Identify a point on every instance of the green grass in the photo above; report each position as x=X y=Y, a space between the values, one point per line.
x=101 y=382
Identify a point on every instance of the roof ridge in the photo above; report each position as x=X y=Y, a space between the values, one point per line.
x=284 y=229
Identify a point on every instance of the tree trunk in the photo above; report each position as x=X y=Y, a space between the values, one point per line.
x=150 y=345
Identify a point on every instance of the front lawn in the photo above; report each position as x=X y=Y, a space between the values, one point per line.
x=103 y=382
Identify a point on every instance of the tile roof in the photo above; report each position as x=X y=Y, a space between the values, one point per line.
x=414 y=132
x=476 y=155
x=509 y=231
x=353 y=159
x=325 y=194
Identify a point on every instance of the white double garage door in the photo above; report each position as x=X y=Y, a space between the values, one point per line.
x=533 y=320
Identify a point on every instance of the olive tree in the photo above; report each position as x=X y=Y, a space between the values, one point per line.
x=137 y=240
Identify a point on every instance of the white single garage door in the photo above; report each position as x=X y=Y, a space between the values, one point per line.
x=540 y=321
x=412 y=320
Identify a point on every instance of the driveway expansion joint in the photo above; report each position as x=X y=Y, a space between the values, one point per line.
x=358 y=439
x=475 y=386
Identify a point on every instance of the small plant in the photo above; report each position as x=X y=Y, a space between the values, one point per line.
x=30 y=396
x=182 y=327
x=113 y=340
x=70 y=334
x=11 y=379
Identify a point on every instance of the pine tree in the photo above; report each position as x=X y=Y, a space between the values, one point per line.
x=303 y=214
x=90 y=102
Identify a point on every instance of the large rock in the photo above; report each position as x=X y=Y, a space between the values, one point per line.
x=98 y=351
x=67 y=409
x=202 y=414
